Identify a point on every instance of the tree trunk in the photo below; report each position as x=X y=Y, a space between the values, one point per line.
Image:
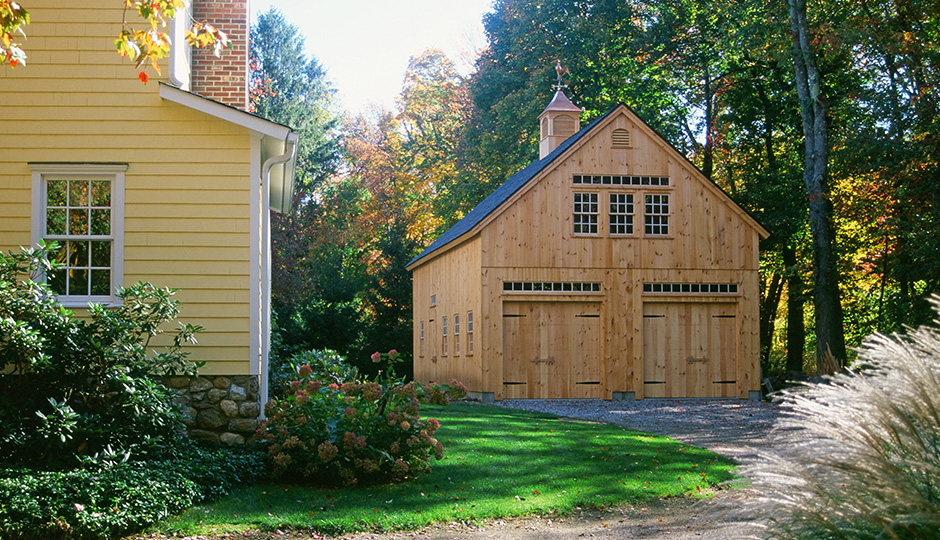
x=708 y=151
x=796 y=331
x=814 y=109
x=768 y=315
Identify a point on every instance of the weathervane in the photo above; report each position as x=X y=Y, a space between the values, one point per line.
x=561 y=71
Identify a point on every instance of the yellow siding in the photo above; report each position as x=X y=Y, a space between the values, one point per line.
x=187 y=191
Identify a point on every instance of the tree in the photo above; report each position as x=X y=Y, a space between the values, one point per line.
x=814 y=109
x=143 y=45
x=12 y=20
x=286 y=86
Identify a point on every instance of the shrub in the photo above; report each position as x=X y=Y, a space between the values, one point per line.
x=327 y=366
x=106 y=499
x=354 y=433
x=866 y=459
x=77 y=386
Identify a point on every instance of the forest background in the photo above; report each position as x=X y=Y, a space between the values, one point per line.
x=818 y=118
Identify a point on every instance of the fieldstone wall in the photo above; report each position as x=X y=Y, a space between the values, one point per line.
x=220 y=409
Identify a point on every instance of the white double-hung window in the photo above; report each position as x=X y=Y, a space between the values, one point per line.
x=81 y=207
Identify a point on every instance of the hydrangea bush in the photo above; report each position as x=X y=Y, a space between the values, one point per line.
x=355 y=432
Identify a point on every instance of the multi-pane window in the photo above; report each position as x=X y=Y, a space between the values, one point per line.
x=469 y=332
x=585 y=213
x=444 y=337
x=621 y=213
x=421 y=341
x=551 y=286
x=456 y=334
x=656 y=214
x=80 y=207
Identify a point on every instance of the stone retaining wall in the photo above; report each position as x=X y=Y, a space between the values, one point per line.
x=220 y=409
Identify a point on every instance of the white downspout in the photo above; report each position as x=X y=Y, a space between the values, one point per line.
x=292 y=141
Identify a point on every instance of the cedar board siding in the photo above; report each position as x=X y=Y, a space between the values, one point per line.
x=531 y=239
x=456 y=282
x=187 y=192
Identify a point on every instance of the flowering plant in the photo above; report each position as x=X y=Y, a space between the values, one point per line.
x=356 y=432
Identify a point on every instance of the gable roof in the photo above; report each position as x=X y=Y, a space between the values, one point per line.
x=519 y=180
x=278 y=145
x=504 y=192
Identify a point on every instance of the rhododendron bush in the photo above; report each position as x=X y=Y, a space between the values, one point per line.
x=354 y=433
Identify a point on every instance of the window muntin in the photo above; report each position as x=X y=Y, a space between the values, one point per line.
x=656 y=215
x=469 y=332
x=456 y=335
x=621 y=213
x=586 y=210
x=81 y=208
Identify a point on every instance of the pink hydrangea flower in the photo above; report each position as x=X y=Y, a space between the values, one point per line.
x=305 y=370
x=327 y=451
x=376 y=357
x=371 y=391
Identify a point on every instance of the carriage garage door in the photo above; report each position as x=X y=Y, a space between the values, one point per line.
x=551 y=350
x=689 y=350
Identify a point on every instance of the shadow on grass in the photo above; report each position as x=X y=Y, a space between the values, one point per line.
x=498 y=462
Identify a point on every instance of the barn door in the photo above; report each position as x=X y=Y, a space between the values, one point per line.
x=551 y=350
x=689 y=350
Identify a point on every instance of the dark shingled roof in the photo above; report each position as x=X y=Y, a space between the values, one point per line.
x=504 y=192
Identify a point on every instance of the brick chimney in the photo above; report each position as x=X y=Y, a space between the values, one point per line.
x=223 y=79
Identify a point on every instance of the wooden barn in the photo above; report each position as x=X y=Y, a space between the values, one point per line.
x=610 y=268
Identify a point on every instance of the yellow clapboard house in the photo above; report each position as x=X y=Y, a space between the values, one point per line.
x=168 y=182
x=609 y=268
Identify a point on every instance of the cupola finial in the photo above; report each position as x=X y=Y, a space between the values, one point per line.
x=561 y=71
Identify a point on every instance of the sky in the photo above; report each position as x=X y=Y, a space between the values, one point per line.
x=365 y=44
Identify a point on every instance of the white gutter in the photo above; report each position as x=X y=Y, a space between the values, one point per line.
x=288 y=157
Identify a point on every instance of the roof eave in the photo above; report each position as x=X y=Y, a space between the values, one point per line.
x=224 y=112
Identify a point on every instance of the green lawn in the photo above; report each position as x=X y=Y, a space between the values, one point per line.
x=498 y=462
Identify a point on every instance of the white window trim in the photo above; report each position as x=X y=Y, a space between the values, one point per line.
x=38 y=225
